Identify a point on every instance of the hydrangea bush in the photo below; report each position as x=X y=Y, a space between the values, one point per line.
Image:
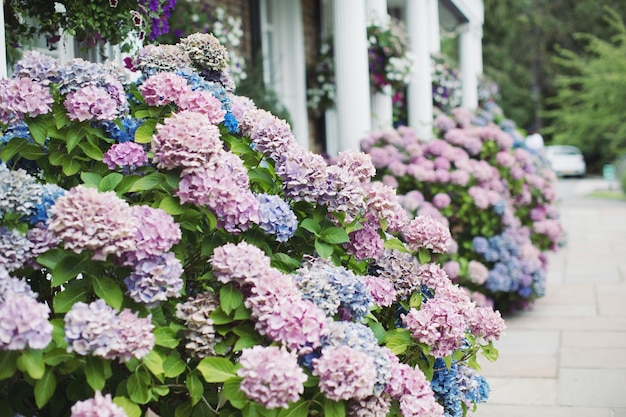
x=497 y=198
x=166 y=248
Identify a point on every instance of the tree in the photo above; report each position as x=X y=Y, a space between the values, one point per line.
x=588 y=106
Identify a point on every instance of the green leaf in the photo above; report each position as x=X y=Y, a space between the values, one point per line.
x=324 y=250
x=423 y=255
x=261 y=176
x=154 y=362
x=334 y=235
x=138 y=389
x=216 y=369
x=32 y=152
x=171 y=206
x=395 y=244
x=38 y=128
x=378 y=330
x=490 y=352
x=233 y=394
x=95 y=372
x=73 y=138
x=69 y=268
x=398 y=341
x=109 y=182
x=311 y=225
x=91 y=150
x=31 y=361
x=149 y=182
x=299 y=409
x=173 y=366
x=285 y=261
x=165 y=337
x=70 y=165
x=130 y=408
x=51 y=258
x=195 y=388
x=74 y=291
x=334 y=408
x=45 y=387
x=244 y=342
x=90 y=179
x=8 y=361
x=109 y=291
x=183 y=410
x=143 y=134
x=12 y=148
x=230 y=298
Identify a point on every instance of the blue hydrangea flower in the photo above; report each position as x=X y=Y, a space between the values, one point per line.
x=277 y=218
x=49 y=195
x=480 y=244
x=359 y=336
x=446 y=388
x=198 y=83
x=231 y=122
x=124 y=133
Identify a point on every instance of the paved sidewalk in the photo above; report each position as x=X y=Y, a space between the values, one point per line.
x=567 y=357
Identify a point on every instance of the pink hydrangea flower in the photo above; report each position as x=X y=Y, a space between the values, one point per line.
x=441 y=200
x=242 y=263
x=487 y=323
x=99 y=406
x=477 y=272
x=295 y=323
x=452 y=268
x=365 y=243
x=23 y=322
x=345 y=373
x=20 y=97
x=204 y=102
x=186 y=139
x=383 y=204
x=91 y=103
x=426 y=232
x=271 y=376
x=358 y=164
x=125 y=154
x=155 y=234
x=268 y=290
x=433 y=276
x=164 y=88
x=85 y=219
x=382 y=290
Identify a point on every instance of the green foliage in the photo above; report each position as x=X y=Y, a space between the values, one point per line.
x=592 y=95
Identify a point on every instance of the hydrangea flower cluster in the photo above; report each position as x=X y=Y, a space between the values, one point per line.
x=191 y=238
x=478 y=181
x=98 y=329
x=457 y=386
x=271 y=376
x=100 y=405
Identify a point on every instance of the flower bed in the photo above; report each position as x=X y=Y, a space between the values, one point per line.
x=496 y=197
x=167 y=248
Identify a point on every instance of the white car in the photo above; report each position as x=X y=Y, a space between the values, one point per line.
x=566 y=160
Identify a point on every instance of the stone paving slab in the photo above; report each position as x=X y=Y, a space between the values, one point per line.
x=595 y=340
x=491 y=410
x=611 y=299
x=523 y=391
x=532 y=322
x=592 y=387
x=520 y=365
x=593 y=358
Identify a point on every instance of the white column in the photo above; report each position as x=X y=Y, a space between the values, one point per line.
x=471 y=63
x=420 y=95
x=382 y=107
x=290 y=65
x=434 y=37
x=3 y=45
x=351 y=73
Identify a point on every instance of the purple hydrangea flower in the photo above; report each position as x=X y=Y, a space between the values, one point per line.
x=20 y=191
x=381 y=290
x=38 y=67
x=271 y=376
x=383 y=205
x=372 y=406
x=97 y=329
x=155 y=279
x=242 y=263
x=345 y=373
x=23 y=321
x=365 y=243
x=202 y=101
x=125 y=154
x=186 y=139
x=21 y=97
x=426 y=232
x=85 y=219
x=277 y=218
x=164 y=88
x=91 y=103
x=155 y=234
x=99 y=406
